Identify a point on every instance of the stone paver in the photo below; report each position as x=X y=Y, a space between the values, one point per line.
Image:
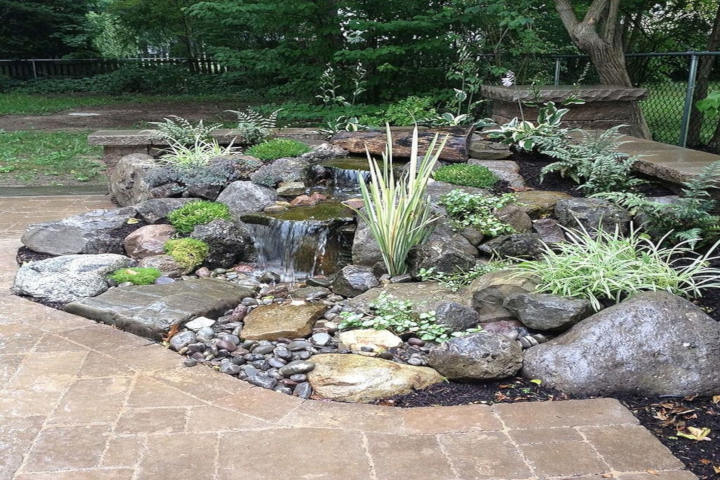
x=84 y=401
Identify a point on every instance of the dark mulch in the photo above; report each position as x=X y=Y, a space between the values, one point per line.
x=531 y=165
x=666 y=417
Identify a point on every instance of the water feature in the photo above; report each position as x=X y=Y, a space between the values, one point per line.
x=303 y=241
x=347 y=171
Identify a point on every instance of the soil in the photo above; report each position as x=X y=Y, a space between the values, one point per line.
x=119 y=116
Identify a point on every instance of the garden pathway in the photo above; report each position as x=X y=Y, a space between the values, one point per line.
x=83 y=401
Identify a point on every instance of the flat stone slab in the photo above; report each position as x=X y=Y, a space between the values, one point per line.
x=589 y=93
x=151 y=310
x=132 y=138
x=270 y=322
x=425 y=296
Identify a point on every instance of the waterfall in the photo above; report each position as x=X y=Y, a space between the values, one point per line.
x=348 y=181
x=292 y=249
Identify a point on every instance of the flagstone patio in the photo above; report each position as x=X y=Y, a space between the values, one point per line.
x=84 y=401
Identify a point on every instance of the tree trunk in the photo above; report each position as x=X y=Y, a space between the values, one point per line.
x=703 y=80
x=606 y=50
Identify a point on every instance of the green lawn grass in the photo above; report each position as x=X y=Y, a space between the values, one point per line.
x=30 y=104
x=32 y=157
x=663 y=110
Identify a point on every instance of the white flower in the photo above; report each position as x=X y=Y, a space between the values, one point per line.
x=509 y=79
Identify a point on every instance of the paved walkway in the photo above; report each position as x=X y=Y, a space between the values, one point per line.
x=83 y=401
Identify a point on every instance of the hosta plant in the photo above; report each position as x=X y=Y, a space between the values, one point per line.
x=526 y=135
x=397 y=210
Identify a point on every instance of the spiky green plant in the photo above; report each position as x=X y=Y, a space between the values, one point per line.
x=397 y=210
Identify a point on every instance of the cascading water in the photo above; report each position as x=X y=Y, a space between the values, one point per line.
x=346 y=181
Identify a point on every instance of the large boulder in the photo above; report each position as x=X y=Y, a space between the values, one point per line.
x=506 y=170
x=516 y=217
x=425 y=296
x=245 y=197
x=365 y=250
x=324 y=151
x=445 y=250
x=353 y=280
x=152 y=310
x=456 y=316
x=358 y=378
x=654 y=343
x=148 y=241
x=127 y=181
x=479 y=356
x=69 y=277
x=270 y=322
x=156 y=210
x=436 y=190
x=539 y=203
x=282 y=170
x=98 y=231
x=549 y=230
x=519 y=245
x=592 y=214
x=167 y=265
x=490 y=291
x=541 y=311
x=229 y=242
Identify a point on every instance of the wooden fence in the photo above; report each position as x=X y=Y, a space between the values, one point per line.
x=45 y=68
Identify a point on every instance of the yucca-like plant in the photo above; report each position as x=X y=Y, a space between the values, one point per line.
x=610 y=266
x=397 y=210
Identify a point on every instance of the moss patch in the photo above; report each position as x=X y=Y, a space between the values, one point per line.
x=278 y=148
x=466 y=175
x=136 y=276
x=187 y=217
x=188 y=252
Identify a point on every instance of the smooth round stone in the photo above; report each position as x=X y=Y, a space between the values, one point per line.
x=385 y=355
x=164 y=280
x=321 y=339
x=250 y=370
x=205 y=333
x=248 y=301
x=276 y=362
x=238 y=360
x=296 y=367
x=263 y=349
x=229 y=368
x=283 y=389
x=303 y=355
x=298 y=377
x=182 y=339
x=229 y=337
x=260 y=364
x=416 y=342
x=288 y=383
x=302 y=390
x=190 y=362
x=282 y=353
x=262 y=381
x=416 y=361
x=297 y=345
x=249 y=344
x=198 y=356
x=274 y=373
x=224 y=344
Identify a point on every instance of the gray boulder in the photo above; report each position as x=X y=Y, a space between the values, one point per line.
x=456 y=316
x=549 y=230
x=516 y=217
x=98 y=231
x=365 y=250
x=445 y=250
x=353 y=280
x=520 y=245
x=480 y=356
x=127 y=181
x=490 y=291
x=323 y=152
x=592 y=214
x=157 y=209
x=547 y=312
x=245 y=197
x=282 y=170
x=229 y=242
x=69 y=277
x=654 y=343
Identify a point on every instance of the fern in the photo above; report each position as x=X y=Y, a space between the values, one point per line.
x=180 y=131
x=255 y=127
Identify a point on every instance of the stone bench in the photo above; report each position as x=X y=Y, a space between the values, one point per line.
x=118 y=143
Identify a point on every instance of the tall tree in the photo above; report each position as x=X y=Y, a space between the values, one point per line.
x=599 y=34
x=43 y=28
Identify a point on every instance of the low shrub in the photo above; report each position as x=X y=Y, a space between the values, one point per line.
x=466 y=175
x=197 y=155
x=185 y=218
x=136 y=276
x=278 y=148
x=477 y=211
x=611 y=267
x=189 y=253
x=178 y=130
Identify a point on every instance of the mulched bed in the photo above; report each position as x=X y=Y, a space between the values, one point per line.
x=664 y=417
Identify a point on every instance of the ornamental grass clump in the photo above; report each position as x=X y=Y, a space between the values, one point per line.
x=187 y=217
x=466 y=175
x=611 y=267
x=397 y=210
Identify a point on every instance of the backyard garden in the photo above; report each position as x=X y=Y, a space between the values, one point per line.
x=481 y=238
